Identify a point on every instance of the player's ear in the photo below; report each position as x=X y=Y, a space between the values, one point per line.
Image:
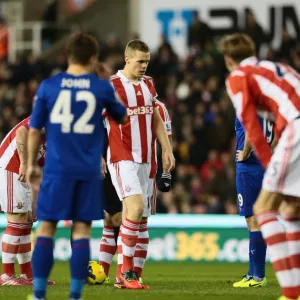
x=127 y=59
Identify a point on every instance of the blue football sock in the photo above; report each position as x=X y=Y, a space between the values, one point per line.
x=79 y=266
x=42 y=262
x=250 y=270
x=257 y=255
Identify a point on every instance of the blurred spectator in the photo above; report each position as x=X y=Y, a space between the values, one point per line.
x=287 y=44
x=198 y=33
x=4 y=35
x=50 y=18
x=253 y=29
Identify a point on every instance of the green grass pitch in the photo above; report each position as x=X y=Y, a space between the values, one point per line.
x=182 y=281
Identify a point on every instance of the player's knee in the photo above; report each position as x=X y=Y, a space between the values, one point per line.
x=47 y=229
x=267 y=201
x=116 y=219
x=137 y=211
x=289 y=207
x=81 y=230
x=17 y=217
x=252 y=223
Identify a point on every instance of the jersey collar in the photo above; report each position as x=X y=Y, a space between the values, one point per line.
x=123 y=77
x=249 y=61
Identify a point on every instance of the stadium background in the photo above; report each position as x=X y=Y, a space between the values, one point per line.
x=197 y=216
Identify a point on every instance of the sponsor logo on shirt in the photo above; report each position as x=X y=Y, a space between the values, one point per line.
x=141 y=110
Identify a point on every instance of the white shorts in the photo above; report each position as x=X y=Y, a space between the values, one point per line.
x=131 y=178
x=283 y=172
x=15 y=196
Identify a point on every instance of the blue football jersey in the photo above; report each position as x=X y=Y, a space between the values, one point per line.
x=252 y=162
x=70 y=108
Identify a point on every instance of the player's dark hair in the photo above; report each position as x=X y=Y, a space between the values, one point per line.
x=238 y=46
x=136 y=45
x=81 y=47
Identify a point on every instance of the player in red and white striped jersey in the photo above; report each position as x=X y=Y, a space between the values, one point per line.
x=15 y=200
x=113 y=209
x=131 y=147
x=263 y=86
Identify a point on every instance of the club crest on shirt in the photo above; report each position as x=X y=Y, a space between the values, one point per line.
x=127 y=188
x=20 y=205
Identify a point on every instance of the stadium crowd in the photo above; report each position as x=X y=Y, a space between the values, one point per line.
x=194 y=93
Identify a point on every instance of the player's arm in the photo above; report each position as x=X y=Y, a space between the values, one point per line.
x=113 y=104
x=162 y=136
x=237 y=88
x=37 y=122
x=165 y=181
x=242 y=155
x=21 y=142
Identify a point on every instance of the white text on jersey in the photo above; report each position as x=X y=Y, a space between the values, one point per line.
x=75 y=83
x=141 y=110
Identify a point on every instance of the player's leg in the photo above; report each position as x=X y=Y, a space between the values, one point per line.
x=13 y=242
x=87 y=205
x=257 y=253
x=266 y=210
x=108 y=243
x=248 y=186
x=42 y=258
x=125 y=178
x=15 y=202
x=59 y=192
x=112 y=223
x=140 y=255
x=290 y=212
x=281 y=180
x=81 y=232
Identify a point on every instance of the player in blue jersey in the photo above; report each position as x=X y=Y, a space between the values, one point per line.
x=249 y=177
x=69 y=106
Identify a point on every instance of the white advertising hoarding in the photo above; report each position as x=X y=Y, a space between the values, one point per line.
x=172 y=18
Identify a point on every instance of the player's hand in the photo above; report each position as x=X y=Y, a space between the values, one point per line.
x=34 y=178
x=240 y=156
x=164 y=183
x=103 y=71
x=22 y=172
x=103 y=167
x=169 y=161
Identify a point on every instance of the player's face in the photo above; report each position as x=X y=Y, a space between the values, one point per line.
x=138 y=63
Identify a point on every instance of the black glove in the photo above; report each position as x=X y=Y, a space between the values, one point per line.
x=164 y=183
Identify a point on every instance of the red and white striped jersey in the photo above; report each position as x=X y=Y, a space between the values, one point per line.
x=263 y=87
x=133 y=140
x=9 y=156
x=167 y=121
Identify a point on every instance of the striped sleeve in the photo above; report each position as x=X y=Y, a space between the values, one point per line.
x=165 y=117
x=238 y=90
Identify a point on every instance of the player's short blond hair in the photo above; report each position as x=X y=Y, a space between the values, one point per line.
x=238 y=46
x=136 y=45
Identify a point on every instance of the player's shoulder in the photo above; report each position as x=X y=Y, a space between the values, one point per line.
x=115 y=77
x=148 y=79
x=25 y=122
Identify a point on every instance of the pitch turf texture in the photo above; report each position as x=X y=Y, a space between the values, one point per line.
x=167 y=281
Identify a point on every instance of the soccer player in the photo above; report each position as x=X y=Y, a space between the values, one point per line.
x=131 y=148
x=263 y=86
x=113 y=211
x=15 y=201
x=69 y=105
x=249 y=177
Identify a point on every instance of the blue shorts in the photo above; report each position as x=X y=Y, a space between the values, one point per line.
x=62 y=198
x=248 y=186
